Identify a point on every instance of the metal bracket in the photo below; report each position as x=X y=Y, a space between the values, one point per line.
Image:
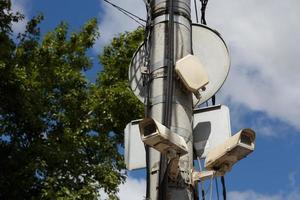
x=155 y=168
x=203 y=176
x=173 y=170
x=144 y=70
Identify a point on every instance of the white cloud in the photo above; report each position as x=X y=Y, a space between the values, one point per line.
x=113 y=21
x=292 y=179
x=263 y=37
x=251 y=195
x=20 y=6
x=292 y=193
x=135 y=189
x=132 y=189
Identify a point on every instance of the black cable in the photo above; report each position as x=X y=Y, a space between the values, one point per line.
x=127 y=13
x=146 y=77
x=147 y=172
x=169 y=100
x=203 y=21
x=201 y=185
x=196 y=11
x=203 y=9
x=122 y=9
x=224 y=187
x=213 y=100
x=203 y=194
x=147 y=47
x=169 y=96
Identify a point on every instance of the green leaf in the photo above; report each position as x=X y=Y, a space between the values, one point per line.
x=59 y=133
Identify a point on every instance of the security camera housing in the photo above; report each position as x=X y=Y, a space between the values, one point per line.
x=160 y=138
x=222 y=157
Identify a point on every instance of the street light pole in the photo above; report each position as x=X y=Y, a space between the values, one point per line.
x=169 y=102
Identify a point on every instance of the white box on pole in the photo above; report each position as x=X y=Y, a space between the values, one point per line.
x=211 y=127
x=135 y=154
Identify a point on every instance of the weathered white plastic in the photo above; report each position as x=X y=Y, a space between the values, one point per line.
x=192 y=73
x=160 y=138
x=211 y=127
x=203 y=175
x=135 y=154
x=222 y=157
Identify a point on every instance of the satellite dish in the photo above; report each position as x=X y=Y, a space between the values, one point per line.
x=212 y=51
x=208 y=46
x=135 y=73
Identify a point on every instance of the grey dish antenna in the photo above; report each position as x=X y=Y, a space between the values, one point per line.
x=211 y=50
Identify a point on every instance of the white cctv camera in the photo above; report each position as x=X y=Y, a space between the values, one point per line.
x=160 y=138
x=223 y=156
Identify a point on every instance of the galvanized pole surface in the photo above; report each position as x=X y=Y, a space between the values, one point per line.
x=159 y=185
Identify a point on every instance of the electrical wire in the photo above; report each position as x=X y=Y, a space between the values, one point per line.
x=224 y=187
x=146 y=77
x=213 y=100
x=202 y=185
x=147 y=43
x=127 y=13
x=170 y=77
x=196 y=11
x=147 y=48
x=167 y=118
x=203 y=9
x=123 y=10
x=203 y=21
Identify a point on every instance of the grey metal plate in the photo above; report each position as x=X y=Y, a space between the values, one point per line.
x=212 y=51
x=211 y=127
x=135 y=154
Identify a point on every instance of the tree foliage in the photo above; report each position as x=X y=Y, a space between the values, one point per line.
x=113 y=81
x=59 y=133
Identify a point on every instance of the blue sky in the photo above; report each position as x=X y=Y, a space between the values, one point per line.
x=262 y=90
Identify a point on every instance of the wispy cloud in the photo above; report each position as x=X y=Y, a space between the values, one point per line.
x=251 y=195
x=113 y=22
x=264 y=44
x=132 y=189
x=291 y=193
x=265 y=55
x=293 y=179
x=20 y=6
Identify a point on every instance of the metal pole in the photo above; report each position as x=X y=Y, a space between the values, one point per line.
x=169 y=102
